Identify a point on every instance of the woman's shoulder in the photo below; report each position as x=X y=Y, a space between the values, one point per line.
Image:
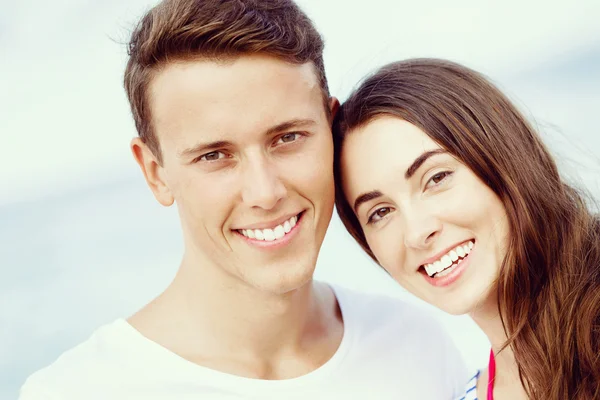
x=470 y=392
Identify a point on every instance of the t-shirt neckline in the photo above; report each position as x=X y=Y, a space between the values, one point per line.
x=186 y=370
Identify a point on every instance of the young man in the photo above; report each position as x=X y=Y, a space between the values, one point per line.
x=234 y=116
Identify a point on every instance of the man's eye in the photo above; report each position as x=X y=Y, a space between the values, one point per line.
x=288 y=137
x=379 y=214
x=212 y=156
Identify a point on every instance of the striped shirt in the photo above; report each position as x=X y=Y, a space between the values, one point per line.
x=470 y=389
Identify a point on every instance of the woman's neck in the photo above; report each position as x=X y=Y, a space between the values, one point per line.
x=507 y=382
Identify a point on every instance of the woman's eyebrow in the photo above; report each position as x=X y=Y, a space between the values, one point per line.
x=420 y=160
x=363 y=198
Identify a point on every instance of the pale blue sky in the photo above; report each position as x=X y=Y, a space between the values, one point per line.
x=83 y=241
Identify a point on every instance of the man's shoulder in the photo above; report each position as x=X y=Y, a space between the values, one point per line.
x=393 y=321
x=402 y=335
x=383 y=309
x=95 y=357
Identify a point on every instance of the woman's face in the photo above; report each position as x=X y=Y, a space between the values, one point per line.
x=431 y=222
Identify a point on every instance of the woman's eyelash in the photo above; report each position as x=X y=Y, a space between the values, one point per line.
x=440 y=176
x=382 y=212
x=376 y=214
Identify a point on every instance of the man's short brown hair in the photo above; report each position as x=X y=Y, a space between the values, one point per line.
x=177 y=30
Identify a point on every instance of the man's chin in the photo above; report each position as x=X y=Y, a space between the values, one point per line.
x=284 y=281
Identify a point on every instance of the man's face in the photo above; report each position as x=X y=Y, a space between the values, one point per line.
x=247 y=157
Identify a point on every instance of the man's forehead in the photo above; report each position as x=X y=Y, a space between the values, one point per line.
x=204 y=83
x=241 y=102
x=244 y=72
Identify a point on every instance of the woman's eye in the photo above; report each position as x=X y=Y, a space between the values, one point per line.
x=379 y=214
x=437 y=178
x=288 y=137
x=212 y=156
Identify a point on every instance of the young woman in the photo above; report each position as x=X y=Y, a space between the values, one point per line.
x=442 y=182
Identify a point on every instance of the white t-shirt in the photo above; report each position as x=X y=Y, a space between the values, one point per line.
x=390 y=350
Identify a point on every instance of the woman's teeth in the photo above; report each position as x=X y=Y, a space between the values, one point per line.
x=271 y=234
x=442 y=266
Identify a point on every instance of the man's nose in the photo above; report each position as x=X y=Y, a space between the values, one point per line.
x=263 y=187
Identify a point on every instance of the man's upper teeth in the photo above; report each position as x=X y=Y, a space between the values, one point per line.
x=448 y=259
x=271 y=234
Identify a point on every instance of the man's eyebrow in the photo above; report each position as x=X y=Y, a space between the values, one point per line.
x=284 y=126
x=287 y=125
x=204 y=147
x=420 y=160
x=363 y=198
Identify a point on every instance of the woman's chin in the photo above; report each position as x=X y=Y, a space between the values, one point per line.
x=458 y=305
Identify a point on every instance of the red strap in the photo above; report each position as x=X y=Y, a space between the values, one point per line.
x=491 y=376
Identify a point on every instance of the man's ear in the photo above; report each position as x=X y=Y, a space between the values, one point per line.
x=334 y=106
x=153 y=172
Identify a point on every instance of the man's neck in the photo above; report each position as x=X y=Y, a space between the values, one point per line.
x=224 y=324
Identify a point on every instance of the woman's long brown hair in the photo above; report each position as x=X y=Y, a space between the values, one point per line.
x=549 y=283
